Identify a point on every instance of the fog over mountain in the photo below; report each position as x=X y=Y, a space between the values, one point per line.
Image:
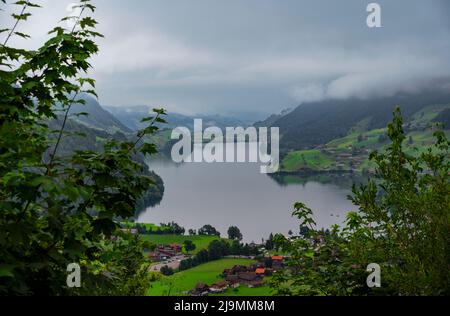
x=261 y=56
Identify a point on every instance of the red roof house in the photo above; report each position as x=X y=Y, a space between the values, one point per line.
x=260 y=271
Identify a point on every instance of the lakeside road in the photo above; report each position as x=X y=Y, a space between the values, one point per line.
x=173 y=263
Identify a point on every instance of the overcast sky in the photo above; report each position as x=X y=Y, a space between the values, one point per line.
x=229 y=56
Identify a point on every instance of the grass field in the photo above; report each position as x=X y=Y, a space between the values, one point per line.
x=306 y=159
x=209 y=273
x=246 y=291
x=201 y=242
x=371 y=140
x=316 y=160
x=427 y=115
x=149 y=227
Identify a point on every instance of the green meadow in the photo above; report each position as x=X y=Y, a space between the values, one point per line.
x=182 y=282
x=201 y=242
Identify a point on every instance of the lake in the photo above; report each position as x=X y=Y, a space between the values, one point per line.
x=237 y=194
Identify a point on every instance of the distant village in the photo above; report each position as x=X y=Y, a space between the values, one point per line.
x=252 y=276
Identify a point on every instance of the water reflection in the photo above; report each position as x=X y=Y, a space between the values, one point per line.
x=238 y=194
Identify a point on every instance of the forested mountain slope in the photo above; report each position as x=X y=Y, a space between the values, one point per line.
x=98 y=117
x=350 y=153
x=91 y=131
x=317 y=123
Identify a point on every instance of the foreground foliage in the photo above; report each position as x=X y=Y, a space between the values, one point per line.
x=57 y=211
x=403 y=225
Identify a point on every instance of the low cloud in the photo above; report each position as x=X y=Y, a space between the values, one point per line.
x=267 y=55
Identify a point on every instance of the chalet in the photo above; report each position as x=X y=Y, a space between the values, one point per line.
x=260 y=271
x=235 y=270
x=232 y=278
x=239 y=269
x=176 y=248
x=219 y=287
x=277 y=262
x=201 y=290
x=251 y=279
x=166 y=252
x=252 y=276
x=255 y=266
x=248 y=276
x=255 y=283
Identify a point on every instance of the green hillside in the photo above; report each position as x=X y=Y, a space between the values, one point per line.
x=201 y=242
x=307 y=159
x=182 y=282
x=350 y=153
x=317 y=123
x=97 y=117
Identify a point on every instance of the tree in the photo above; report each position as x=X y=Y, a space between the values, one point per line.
x=268 y=262
x=270 y=242
x=167 y=271
x=189 y=245
x=361 y=138
x=234 y=233
x=410 y=208
x=383 y=138
x=402 y=225
x=218 y=249
x=208 y=230
x=202 y=256
x=192 y=232
x=60 y=210
x=236 y=248
x=186 y=264
x=172 y=228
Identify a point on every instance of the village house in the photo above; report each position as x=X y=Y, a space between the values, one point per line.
x=251 y=279
x=177 y=248
x=260 y=271
x=164 y=252
x=219 y=287
x=252 y=276
x=277 y=262
x=200 y=290
x=233 y=279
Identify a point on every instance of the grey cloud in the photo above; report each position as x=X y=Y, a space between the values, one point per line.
x=266 y=55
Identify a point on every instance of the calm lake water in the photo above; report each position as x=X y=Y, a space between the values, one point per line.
x=232 y=194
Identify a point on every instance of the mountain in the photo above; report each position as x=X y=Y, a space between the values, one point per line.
x=350 y=153
x=131 y=117
x=271 y=120
x=98 y=117
x=444 y=118
x=82 y=137
x=317 y=123
x=90 y=132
